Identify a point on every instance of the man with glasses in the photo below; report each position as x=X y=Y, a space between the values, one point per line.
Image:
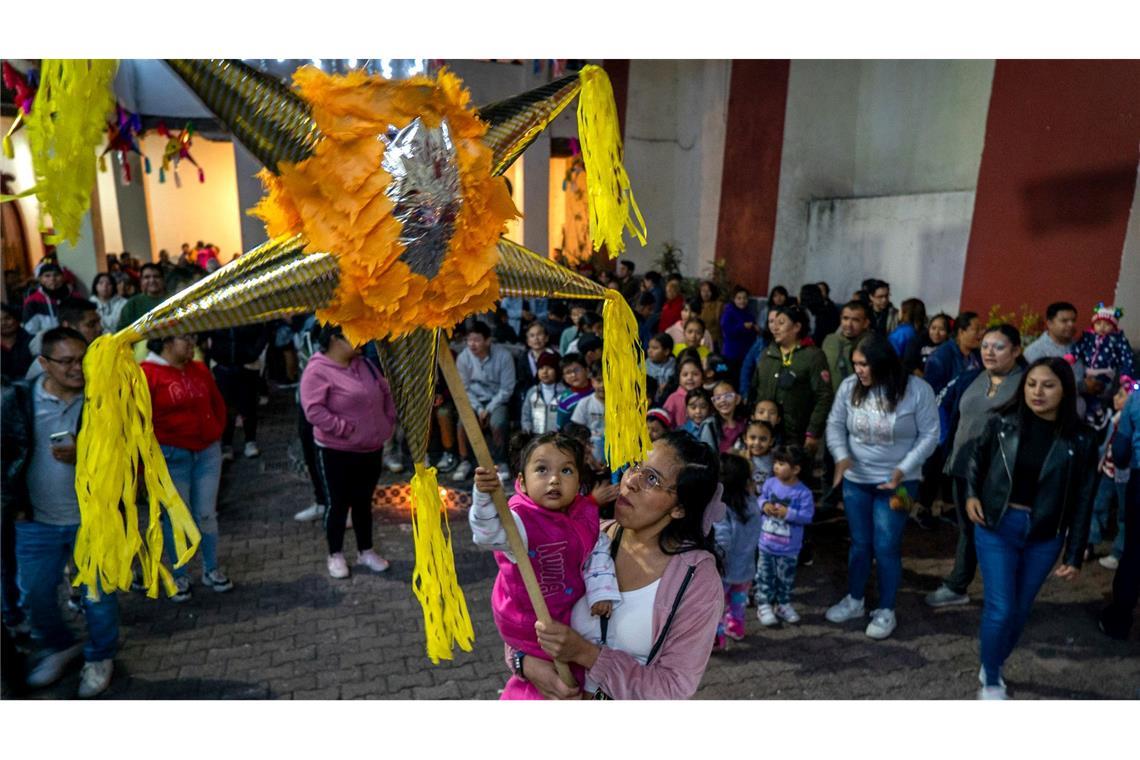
x=41 y=424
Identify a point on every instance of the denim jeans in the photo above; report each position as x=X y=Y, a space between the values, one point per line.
x=42 y=551
x=775 y=578
x=965 y=555
x=876 y=534
x=196 y=475
x=10 y=604
x=1107 y=491
x=1014 y=567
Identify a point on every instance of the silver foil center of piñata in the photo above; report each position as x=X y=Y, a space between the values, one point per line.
x=424 y=191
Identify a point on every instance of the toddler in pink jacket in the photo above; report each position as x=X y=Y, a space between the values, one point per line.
x=559 y=527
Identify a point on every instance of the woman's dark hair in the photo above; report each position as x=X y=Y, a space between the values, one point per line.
x=102 y=276
x=1013 y=335
x=778 y=289
x=714 y=291
x=696 y=305
x=912 y=311
x=696 y=483
x=568 y=445
x=326 y=335
x=810 y=297
x=799 y=317
x=735 y=474
x=886 y=368
x=945 y=318
x=1068 y=421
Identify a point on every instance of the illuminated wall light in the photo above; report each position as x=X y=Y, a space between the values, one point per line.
x=318 y=63
x=352 y=63
x=386 y=67
x=417 y=67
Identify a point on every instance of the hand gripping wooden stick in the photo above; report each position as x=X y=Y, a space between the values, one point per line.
x=483 y=457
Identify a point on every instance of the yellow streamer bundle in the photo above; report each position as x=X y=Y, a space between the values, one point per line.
x=611 y=198
x=64 y=128
x=623 y=372
x=117 y=436
x=433 y=580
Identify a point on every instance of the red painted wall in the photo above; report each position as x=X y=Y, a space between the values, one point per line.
x=750 y=185
x=618 y=71
x=1055 y=185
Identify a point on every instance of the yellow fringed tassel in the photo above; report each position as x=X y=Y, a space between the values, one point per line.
x=116 y=438
x=64 y=128
x=623 y=372
x=446 y=621
x=610 y=196
x=9 y=148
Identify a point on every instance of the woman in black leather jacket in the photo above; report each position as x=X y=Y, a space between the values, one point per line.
x=1029 y=487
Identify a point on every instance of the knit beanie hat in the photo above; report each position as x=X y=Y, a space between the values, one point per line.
x=548 y=359
x=1110 y=314
x=661 y=416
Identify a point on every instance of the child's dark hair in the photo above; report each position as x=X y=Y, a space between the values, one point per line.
x=773 y=402
x=718 y=366
x=697 y=320
x=792 y=454
x=572 y=447
x=572 y=358
x=666 y=341
x=698 y=393
x=735 y=474
x=596 y=371
x=760 y=424
x=688 y=356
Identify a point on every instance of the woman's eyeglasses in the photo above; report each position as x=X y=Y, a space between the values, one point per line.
x=647 y=478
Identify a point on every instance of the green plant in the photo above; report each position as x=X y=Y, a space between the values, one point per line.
x=669 y=261
x=1028 y=322
x=718 y=275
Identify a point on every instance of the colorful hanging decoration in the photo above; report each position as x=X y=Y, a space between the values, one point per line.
x=123 y=137
x=177 y=149
x=385 y=201
x=24 y=89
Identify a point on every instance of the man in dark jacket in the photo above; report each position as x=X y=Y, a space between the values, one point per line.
x=237 y=370
x=41 y=425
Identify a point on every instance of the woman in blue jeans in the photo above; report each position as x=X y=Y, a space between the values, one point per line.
x=882 y=426
x=189 y=417
x=1029 y=487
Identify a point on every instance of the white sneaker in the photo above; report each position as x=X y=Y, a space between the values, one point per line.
x=373 y=561
x=338 y=568
x=461 y=472
x=1109 y=562
x=846 y=609
x=50 y=669
x=446 y=462
x=944 y=597
x=218 y=581
x=227 y=453
x=182 y=592
x=992 y=692
x=95 y=678
x=251 y=451
x=982 y=677
x=787 y=613
x=312 y=512
x=765 y=615
x=882 y=624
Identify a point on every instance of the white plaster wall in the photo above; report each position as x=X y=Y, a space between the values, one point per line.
x=674 y=153
x=858 y=129
x=915 y=242
x=1128 y=286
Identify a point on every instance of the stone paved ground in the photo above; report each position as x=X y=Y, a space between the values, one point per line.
x=288 y=631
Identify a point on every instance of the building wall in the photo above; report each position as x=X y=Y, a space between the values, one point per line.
x=1128 y=284
x=865 y=129
x=1057 y=184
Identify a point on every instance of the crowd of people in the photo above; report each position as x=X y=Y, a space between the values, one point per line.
x=767 y=414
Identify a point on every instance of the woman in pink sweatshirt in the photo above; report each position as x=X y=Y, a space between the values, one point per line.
x=656 y=644
x=350 y=406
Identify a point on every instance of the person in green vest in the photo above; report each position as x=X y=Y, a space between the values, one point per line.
x=854 y=321
x=153 y=292
x=794 y=373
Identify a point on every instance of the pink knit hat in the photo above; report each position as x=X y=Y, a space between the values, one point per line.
x=1110 y=314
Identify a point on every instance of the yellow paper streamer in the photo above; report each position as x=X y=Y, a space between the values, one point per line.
x=623 y=372
x=433 y=580
x=611 y=198
x=117 y=436
x=64 y=128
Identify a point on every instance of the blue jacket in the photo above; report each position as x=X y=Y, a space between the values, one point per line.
x=748 y=368
x=901 y=337
x=737 y=539
x=735 y=339
x=1126 y=444
x=947 y=363
x=948 y=402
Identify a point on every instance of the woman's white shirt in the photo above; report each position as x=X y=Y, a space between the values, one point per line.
x=630 y=628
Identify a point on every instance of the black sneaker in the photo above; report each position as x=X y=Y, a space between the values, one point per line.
x=183 y=593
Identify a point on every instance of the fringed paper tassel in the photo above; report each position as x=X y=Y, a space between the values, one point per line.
x=161 y=175
x=446 y=621
x=201 y=176
x=177 y=180
x=610 y=196
x=9 y=148
x=146 y=164
x=623 y=371
x=102 y=163
x=117 y=437
x=126 y=168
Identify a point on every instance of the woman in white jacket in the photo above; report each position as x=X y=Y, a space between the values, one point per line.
x=882 y=427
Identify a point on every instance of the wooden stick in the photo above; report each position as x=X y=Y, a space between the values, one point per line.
x=483 y=457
